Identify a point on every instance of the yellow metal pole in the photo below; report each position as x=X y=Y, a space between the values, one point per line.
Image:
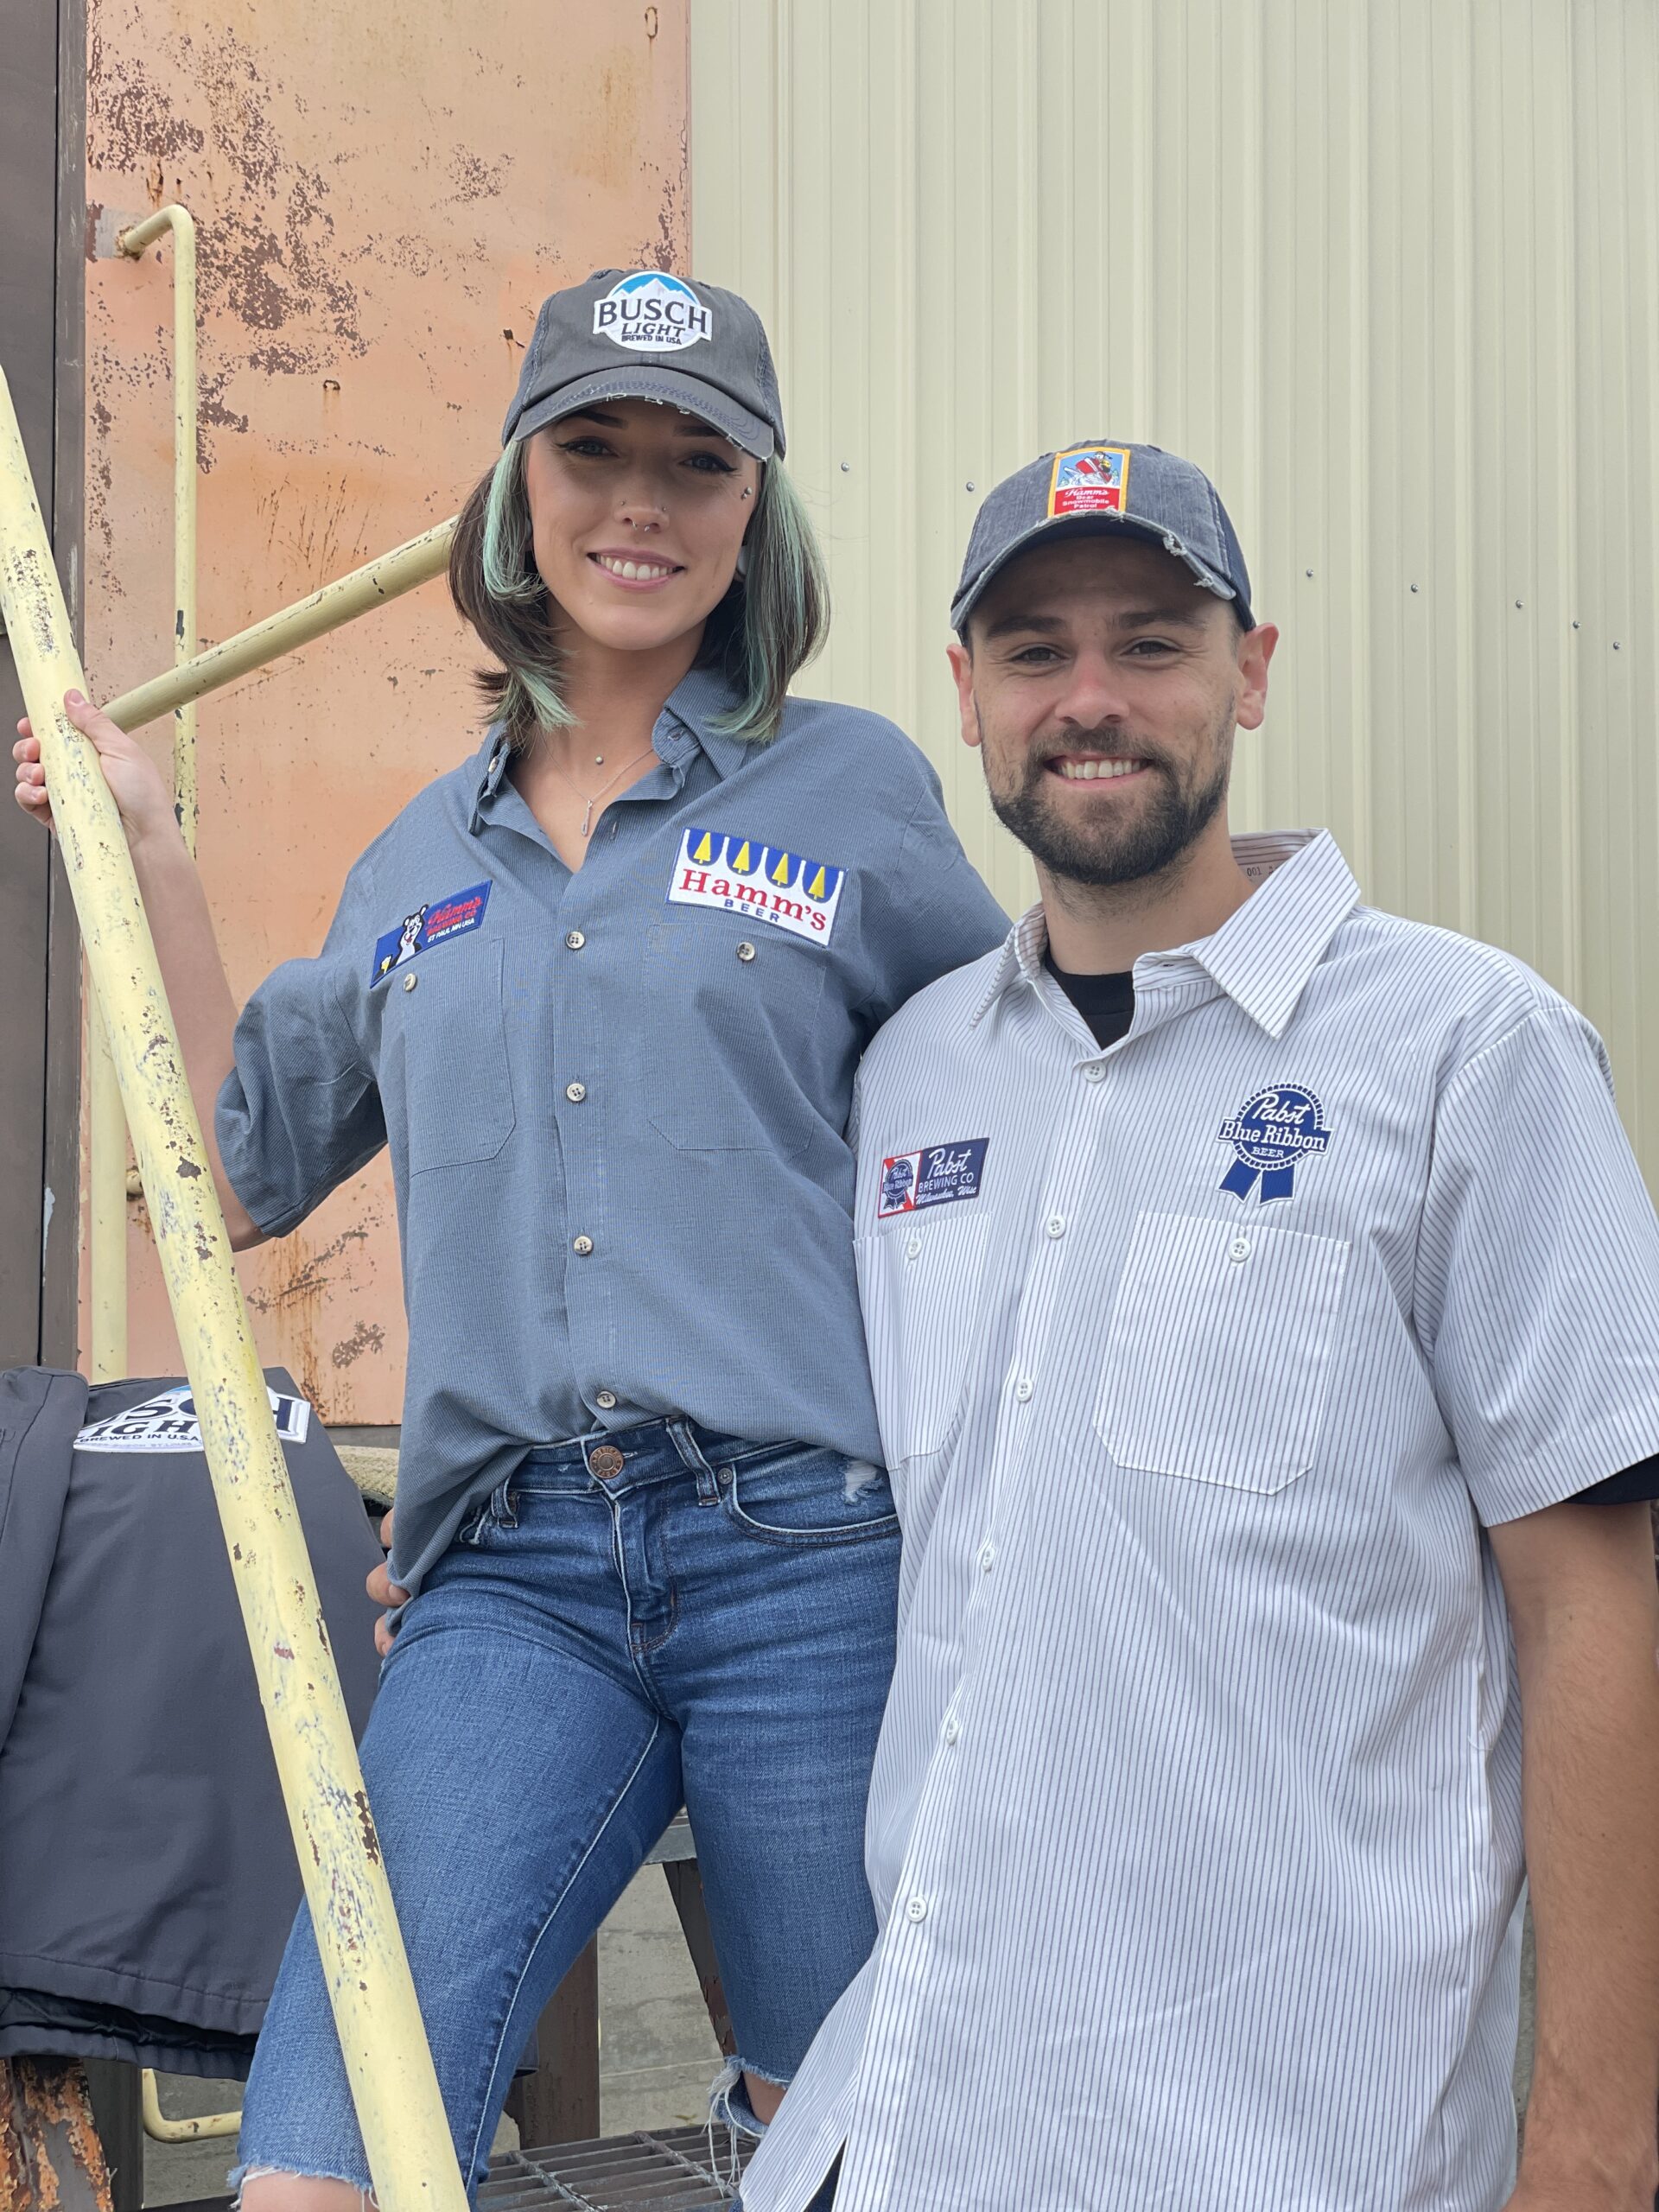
x=106 y=1198
x=372 y=585
x=393 y=2083
x=133 y=242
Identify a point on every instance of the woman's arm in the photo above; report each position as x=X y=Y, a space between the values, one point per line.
x=192 y=970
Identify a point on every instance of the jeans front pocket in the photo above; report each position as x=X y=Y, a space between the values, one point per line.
x=805 y=1494
x=918 y=1283
x=1218 y=1353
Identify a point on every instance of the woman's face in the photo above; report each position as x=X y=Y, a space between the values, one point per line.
x=637 y=512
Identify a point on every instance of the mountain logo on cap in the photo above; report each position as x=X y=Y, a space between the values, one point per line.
x=651 y=313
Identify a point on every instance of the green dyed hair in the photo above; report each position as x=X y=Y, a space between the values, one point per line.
x=769 y=625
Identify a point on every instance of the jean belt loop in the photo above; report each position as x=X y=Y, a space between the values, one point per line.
x=504 y=1504
x=685 y=1440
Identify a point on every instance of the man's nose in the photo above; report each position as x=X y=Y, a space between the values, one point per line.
x=1094 y=694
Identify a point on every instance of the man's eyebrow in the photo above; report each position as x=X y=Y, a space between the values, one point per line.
x=1004 y=624
x=1161 y=618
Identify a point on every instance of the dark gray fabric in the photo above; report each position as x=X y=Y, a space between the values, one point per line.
x=147 y=1877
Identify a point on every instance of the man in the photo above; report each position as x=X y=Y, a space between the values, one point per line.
x=1263 y=1305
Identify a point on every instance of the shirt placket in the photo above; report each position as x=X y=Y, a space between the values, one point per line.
x=1078 y=1086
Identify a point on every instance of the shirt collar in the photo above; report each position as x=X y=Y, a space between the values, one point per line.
x=1263 y=955
x=687 y=725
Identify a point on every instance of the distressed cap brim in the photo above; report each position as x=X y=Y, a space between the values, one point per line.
x=1095 y=525
x=669 y=387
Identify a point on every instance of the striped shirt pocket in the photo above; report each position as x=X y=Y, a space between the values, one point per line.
x=918 y=1283
x=1219 y=1351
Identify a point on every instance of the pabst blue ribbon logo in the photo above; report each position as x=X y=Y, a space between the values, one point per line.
x=1272 y=1134
x=653 y=313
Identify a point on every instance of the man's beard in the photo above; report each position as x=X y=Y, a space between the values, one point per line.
x=1107 y=852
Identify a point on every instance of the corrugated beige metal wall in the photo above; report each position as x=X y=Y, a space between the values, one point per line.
x=1386 y=268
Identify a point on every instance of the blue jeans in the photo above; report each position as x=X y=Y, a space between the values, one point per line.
x=711 y=1624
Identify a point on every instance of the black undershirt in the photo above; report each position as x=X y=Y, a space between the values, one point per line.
x=1107 y=1004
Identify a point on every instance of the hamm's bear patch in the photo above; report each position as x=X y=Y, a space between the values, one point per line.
x=431 y=923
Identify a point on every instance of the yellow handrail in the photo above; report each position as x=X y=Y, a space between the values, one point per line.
x=393 y=2082
x=133 y=242
x=161 y=2129
x=343 y=601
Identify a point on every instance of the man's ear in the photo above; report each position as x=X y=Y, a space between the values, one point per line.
x=1255 y=650
x=961 y=667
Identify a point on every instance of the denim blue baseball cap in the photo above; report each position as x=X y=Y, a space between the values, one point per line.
x=1092 y=489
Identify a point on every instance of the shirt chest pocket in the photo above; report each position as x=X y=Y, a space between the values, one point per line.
x=918 y=1283
x=1219 y=1351
x=446 y=1044
x=730 y=1062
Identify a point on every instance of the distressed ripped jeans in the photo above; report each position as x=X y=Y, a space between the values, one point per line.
x=711 y=1623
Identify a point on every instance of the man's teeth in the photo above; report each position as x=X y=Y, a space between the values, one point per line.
x=1084 y=772
x=633 y=568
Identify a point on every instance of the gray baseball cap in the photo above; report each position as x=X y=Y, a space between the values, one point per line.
x=639 y=333
x=1094 y=488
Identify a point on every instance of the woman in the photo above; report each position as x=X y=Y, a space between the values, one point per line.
x=602 y=991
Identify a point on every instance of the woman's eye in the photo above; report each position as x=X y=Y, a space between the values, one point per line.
x=709 y=464
x=586 y=449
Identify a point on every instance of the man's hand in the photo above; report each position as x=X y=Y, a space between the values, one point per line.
x=384 y=1591
x=1580 y=1584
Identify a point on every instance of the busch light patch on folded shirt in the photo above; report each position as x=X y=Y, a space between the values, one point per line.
x=435 y=923
x=764 y=883
x=168 y=1423
x=933 y=1177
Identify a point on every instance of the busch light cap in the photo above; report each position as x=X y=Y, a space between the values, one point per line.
x=1093 y=489
x=641 y=333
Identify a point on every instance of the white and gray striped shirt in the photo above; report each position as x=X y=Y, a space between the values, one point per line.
x=1201 y=1362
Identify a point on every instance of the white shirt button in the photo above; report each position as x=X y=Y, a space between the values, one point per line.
x=1094 y=1072
x=1022 y=1390
x=1055 y=1225
x=411 y=980
x=987 y=1558
x=1239 y=1249
x=605 y=1400
x=916 y=1909
x=575 y=940
x=575 y=1092
x=953 y=1729
x=746 y=950
x=582 y=1246
x=912 y=1248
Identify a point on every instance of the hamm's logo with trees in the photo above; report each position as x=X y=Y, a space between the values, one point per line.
x=653 y=313
x=742 y=876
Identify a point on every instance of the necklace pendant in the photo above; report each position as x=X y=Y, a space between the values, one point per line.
x=587 y=817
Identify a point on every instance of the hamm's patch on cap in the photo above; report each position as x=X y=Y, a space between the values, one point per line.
x=1090 y=480
x=651 y=313
x=765 y=883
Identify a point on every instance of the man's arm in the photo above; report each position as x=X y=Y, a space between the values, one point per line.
x=1579 y=1583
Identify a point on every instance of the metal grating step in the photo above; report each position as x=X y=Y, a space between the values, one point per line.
x=670 y=2171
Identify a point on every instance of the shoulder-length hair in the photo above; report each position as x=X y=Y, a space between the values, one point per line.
x=769 y=625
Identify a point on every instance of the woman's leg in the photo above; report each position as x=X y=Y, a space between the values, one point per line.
x=518 y=1777
x=781 y=1661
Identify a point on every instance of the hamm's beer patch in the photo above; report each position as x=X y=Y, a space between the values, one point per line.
x=764 y=883
x=433 y=923
x=168 y=1423
x=1090 y=480
x=933 y=1177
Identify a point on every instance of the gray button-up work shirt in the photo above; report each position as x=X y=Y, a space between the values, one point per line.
x=616 y=1101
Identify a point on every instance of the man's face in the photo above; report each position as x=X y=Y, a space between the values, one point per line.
x=1103 y=686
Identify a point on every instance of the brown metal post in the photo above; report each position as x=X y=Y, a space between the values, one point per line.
x=559 y=2103
x=685 y=1887
x=50 y=2156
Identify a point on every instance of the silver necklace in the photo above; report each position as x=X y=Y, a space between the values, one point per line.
x=591 y=801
